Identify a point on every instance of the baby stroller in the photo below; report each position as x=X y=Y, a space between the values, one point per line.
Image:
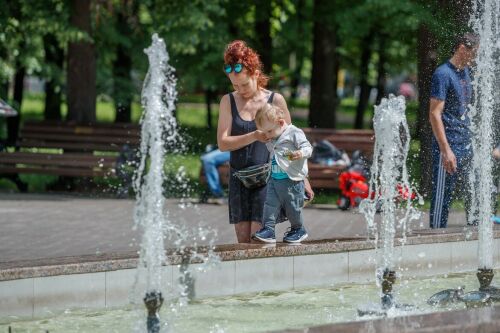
x=353 y=182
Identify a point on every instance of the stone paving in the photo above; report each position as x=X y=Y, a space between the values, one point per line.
x=46 y=226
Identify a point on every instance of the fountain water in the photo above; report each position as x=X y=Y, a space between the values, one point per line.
x=157 y=129
x=159 y=133
x=390 y=189
x=485 y=20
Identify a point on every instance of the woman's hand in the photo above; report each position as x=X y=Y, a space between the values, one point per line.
x=260 y=136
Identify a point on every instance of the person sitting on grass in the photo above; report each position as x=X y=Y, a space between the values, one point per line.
x=289 y=150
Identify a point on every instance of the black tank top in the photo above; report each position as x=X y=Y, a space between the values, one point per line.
x=253 y=154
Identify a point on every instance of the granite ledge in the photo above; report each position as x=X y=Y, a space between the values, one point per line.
x=128 y=260
x=484 y=320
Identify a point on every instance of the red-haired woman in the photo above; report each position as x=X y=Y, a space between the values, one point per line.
x=238 y=134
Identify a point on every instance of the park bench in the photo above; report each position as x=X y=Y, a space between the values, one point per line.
x=71 y=150
x=324 y=176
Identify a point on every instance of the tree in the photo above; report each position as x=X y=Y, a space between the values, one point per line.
x=365 y=88
x=54 y=56
x=427 y=61
x=324 y=75
x=81 y=72
x=196 y=34
x=263 y=14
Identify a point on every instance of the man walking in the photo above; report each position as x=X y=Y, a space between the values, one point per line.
x=451 y=92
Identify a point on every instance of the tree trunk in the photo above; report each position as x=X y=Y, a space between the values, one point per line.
x=13 y=122
x=81 y=68
x=461 y=10
x=426 y=64
x=4 y=90
x=263 y=11
x=364 y=92
x=122 y=66
x=299 y=53
x=382 y=58
x=323 y=101
x=54 y=55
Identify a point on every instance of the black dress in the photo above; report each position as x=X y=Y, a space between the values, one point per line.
x=245 y=204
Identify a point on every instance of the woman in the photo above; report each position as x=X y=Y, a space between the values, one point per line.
x=238 y=134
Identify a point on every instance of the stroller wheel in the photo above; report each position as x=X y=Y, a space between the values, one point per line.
x=343 y=203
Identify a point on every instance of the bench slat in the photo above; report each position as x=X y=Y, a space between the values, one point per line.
x=70 y=145
x=85 y=130
x=69 y=172
x=81 y=138
x=57 y=160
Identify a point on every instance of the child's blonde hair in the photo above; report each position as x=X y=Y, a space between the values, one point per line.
x=268 y=112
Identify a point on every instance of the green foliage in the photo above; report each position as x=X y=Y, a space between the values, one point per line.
x=23 y=25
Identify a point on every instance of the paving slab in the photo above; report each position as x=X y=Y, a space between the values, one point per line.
x=36 y=226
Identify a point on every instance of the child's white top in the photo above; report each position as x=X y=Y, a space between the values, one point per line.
x=291 y=139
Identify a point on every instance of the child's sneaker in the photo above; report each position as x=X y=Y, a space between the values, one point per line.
x=265 y=235
x=295 y=235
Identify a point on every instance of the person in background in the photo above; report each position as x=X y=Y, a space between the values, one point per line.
x=451 y=145
x=211 y=161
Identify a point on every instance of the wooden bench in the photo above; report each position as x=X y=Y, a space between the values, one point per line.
x=324 y=176
x=70 y=150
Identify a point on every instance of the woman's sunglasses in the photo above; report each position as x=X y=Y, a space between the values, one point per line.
x=236 y=67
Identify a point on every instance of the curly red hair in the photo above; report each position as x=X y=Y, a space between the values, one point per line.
x=238 y=52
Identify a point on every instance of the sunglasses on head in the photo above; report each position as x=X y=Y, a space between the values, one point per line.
x=228 y=68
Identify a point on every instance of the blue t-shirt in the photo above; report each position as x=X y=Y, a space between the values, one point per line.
x=276 y=171
x=453 y=86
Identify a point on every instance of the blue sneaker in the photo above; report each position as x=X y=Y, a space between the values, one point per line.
x=265 y=235
x=295 y=235
x=495 y=219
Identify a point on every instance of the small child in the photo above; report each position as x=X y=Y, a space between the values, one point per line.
x=289 y=153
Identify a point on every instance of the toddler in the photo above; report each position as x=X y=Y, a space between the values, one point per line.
x=289 y=150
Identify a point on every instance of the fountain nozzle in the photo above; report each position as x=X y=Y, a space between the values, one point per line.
x=388 y=279
x=153 y=301
x=484 y=275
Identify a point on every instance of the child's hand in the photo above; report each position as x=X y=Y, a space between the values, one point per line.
x=295 y=155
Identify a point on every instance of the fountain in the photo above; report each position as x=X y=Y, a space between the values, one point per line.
x=390 y=190
x=485 y=20
x=158 y=130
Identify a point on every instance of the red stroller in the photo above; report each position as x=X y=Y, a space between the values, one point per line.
x=354 y=188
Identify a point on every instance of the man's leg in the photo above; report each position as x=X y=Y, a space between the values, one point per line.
x=464 y=164
x=442 y=189
x=211 y=161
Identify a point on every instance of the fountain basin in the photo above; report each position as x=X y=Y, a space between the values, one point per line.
x=36 y=288
x=269 y=311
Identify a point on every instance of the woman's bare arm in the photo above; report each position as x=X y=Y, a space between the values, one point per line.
x=280 y=102
x=225 y=140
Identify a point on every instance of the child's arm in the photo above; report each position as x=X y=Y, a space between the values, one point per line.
x=304 y=147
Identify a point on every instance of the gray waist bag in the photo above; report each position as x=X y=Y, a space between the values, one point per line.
x=254 y=176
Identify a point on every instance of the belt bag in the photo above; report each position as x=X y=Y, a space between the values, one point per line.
x=254 y=176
